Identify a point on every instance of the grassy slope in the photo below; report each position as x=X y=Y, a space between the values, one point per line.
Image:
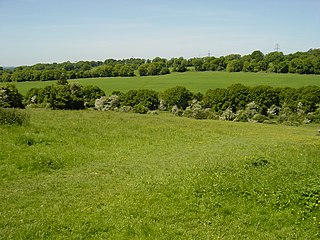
x=105 y=175
x=195 y=81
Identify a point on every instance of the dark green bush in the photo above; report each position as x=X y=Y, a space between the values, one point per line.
x=140 y=108
x=145 y=97
x=178 y=96
x=90 y=94
x=64 y=96
x=11 y=116
x=10 y=97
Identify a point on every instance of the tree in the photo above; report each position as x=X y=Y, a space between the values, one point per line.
x=179 y=96
x=143 y=70
x=238 y=96
x=62 y=80
x=217 y=99
x=90 y=93
x=235 y=65
x=310 y=98
x=257 y=55
x=265 y=97
x=148 y=98
x=126 y=71
x=296 y=66
x=10 y=97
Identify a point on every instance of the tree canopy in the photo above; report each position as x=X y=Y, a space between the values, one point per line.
x=275 y=62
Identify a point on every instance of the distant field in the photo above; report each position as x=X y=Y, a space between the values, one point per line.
x=194 y=81
x=108 y=175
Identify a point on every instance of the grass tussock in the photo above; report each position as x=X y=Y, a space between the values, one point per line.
x=12 y=116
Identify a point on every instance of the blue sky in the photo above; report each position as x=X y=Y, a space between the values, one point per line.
x=33 y=31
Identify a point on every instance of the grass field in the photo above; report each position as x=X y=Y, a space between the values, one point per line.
x=194 y=81
x=108 y=175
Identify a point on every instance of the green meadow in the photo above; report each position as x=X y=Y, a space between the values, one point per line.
x=109 y=175
x=194 y=81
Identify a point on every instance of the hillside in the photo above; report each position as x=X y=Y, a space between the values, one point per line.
x=107 y=175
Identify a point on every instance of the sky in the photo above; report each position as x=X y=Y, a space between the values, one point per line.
x=47 y=31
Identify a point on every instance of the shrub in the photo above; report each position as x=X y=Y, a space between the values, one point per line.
x=217 y=99
x=176 y=111
x=12 y=116
x=38 y=97
x=247 y=115
x=66 y=97
x=90 y=94
x=148 y=98
x=107 y=103
x=10 y=97
x=228 y=115
x=273 y=111
x=196 y=111
x=259 y=118
x=140 y=108
x=179 y=96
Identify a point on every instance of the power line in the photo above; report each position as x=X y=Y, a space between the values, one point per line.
x=277 y=48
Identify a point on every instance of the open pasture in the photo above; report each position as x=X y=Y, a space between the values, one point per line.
x=108 y=175
x=194 y=81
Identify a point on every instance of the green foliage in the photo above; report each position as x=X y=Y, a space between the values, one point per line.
x=217 y=99
x=10 y=97
x=238 y=96
x=144 y=97
x=152 y=69
x=276 y=62
x=90 y=94
x=179 y=65
x=140 y=108
x=234 y=66
x=11 y=116
x=196 y=111
x=262 y=103
x=179 y=96
x=64 y=96
x=107 y=103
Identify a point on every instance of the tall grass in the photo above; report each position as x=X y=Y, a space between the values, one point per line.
x=108 y=175
x=11 y=116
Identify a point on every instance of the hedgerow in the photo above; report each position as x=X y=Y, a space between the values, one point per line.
x=262 y=104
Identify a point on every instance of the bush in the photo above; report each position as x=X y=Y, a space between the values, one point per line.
x=248 y=114
x=107 y=103
x=12 y=116
x=67 y=97
x=10 y=97
x=179 y=96
x=140 y=108
x=176 y=111
x=196 y=111
x=148 y=98
x=228 y=115
x=64 y=96
x=90 y=94
x=38 y=97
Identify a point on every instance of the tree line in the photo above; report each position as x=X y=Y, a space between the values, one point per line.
x=264 y=104
x=275 y=62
